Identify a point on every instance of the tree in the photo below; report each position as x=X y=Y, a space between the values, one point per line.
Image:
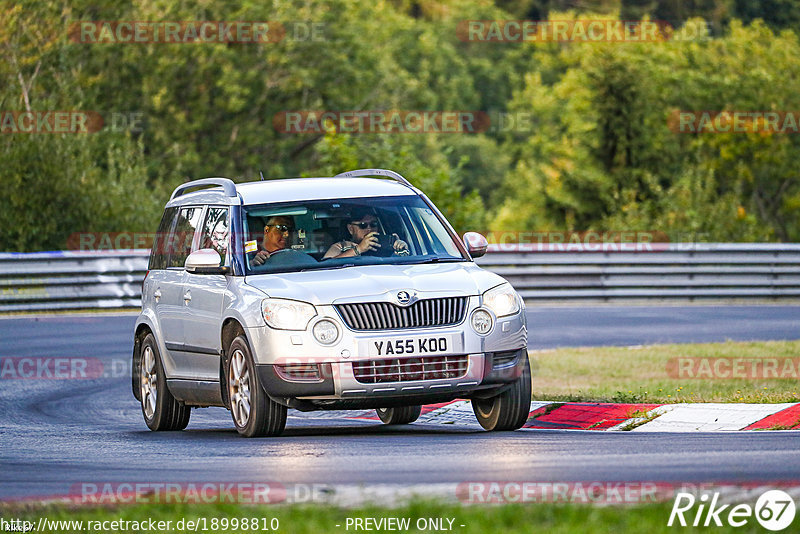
x=604 y=157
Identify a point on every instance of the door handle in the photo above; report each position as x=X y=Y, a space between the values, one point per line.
x=187 y=297
x=157 y=294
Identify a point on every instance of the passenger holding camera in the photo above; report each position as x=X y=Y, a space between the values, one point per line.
x=364 y=239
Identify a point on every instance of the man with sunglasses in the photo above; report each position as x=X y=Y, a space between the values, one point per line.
x=363 y=232
x=276 y=238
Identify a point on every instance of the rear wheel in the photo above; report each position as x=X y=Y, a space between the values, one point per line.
x=254 y=413
x=400 y=415
x=160 y=409
x=510 y=409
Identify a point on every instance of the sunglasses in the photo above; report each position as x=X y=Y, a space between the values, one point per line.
x=282 y=228
x=365 y=225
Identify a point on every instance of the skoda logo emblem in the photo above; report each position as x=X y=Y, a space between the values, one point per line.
x=403 y=297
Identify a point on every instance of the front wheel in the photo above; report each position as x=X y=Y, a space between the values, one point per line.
x=510 y=409
x=399 y=416
x=160 y=409
x=254 y=413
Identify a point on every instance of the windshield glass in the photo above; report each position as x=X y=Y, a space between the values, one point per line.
x=328 y=234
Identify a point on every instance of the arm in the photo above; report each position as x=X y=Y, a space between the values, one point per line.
x=346 y=249
x=342 y=249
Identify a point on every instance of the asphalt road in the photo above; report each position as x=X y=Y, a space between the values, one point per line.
x=550 y=327
x=57 y=434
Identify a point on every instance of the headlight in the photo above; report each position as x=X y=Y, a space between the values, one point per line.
x=287 y=314
x=502 y=300
x=481 y=321
x=325 y=332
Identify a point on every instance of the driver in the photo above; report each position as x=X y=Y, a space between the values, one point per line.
x=276 y=238
x=363 y=228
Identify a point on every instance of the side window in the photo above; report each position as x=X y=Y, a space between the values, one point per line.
x=180 y=239
x=215 y=231
x=159 y=252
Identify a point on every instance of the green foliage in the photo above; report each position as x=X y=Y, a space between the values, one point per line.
x=56 y=187
x=421 y=159
x=604 y=157
x=599 y=155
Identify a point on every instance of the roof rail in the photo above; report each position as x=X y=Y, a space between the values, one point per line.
x=375 y=172
x=227 y=186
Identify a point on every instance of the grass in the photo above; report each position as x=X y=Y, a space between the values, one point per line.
x=641 y=374
x=791 y=426
x=320 y=519
x=640 y=417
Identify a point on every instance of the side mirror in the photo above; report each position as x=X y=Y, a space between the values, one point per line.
x=205 y=261
x=476 y=244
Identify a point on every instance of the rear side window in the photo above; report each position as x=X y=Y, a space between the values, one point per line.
x=215 y=231
x=159 y=253
x=179 y=242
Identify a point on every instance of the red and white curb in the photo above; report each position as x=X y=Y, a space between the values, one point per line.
x=704 y=417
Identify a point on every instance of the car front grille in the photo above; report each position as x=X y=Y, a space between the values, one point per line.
x=444 y=311
x=408 y=369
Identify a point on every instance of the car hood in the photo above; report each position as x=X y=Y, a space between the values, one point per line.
x=349 y=283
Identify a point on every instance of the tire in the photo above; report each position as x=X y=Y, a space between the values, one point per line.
x=160 y=409
x=510 y=409
x=254 y=413
x=400 y=415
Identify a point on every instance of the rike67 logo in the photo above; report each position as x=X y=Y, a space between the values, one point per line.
x=774 y=510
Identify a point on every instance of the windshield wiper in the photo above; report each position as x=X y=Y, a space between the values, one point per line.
x=437 y=259
x=328 y=268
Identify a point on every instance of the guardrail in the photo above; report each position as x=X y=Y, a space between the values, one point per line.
x=686 y=271
x=540 y=272
x=71 y=280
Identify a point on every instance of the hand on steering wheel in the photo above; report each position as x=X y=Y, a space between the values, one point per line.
x=262 y=256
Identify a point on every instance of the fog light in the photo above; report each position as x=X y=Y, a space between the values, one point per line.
x=481 y=321
x=298 y=372
x=325 y=332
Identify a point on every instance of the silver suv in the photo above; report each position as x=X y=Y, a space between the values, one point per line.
x=350 y=292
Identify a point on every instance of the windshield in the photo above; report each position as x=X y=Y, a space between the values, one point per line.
x=328 y=234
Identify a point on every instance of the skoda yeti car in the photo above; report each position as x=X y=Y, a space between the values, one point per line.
x=350 y=292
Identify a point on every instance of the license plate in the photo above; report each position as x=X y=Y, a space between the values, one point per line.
x=412 y=346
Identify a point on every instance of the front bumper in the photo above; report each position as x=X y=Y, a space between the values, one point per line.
x=492 y=360
x=338 y=386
